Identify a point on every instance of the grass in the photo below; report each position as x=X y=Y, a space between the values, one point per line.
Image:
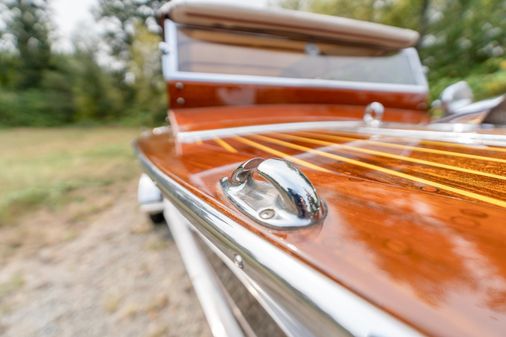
x=52 y=167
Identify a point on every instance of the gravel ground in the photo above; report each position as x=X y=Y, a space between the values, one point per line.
x=116 y=276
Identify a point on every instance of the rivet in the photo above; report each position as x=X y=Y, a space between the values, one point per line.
x=267 y=213
x=180 y=100
x=179 y=85
x=164 y=48
x=238 y=261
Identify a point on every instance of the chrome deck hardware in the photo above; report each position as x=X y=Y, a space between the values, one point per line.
x=274 y=193
x=373 y=114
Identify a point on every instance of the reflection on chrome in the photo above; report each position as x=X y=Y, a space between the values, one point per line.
x=286 y=199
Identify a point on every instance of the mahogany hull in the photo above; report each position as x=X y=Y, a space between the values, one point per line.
x=197 y=119
x=189 y=94
x=415 y=227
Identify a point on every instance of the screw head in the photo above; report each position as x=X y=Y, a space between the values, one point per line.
x=238 y=261
x=180 y=100
x=267 y=213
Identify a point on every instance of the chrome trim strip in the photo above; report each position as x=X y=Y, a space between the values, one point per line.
x=264 y=299
x=310 y=303
x=294 y=82
x=194 y=136
x=290 y=326
x=238 y=314
x=470 y=138
x=213 y=300
x=172 y=73
x=457 y=133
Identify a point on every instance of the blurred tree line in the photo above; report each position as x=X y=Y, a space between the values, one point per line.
x=112 y=78
x=116 y=77
x=459 y=39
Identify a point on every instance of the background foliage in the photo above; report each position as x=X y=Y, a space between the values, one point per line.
x=459 y=39
x=43 y=87
x=116 y=78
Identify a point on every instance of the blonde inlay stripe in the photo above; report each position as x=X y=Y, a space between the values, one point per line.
x=410 y=147
x=422 y=149
x=455 y=190
x=280 y=154
x=484 y=147
x=393 y=156
x=225 y=145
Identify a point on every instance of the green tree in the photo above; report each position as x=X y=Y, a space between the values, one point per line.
x=466 y=39
x=459 y=39
x=8 y=69
x=464 y=34
x=358 y=9
x=123 y=16
x=292 y=4
x=133 y=39
x=34 y=81
x=29 y=25
x=41 y=87
x=97 y=98
x=402 y=13
x=144 y=70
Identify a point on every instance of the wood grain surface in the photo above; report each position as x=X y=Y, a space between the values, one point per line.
x=189 y=94
x=196 y=119
x=417 y=227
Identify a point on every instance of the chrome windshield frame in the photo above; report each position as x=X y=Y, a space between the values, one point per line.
x=171 y=72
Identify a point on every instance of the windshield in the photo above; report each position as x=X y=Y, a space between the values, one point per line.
x=240 y=53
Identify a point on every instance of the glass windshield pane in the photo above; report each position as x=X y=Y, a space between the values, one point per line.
x=237 y=53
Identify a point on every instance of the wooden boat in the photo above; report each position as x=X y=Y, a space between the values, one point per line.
x=306 y=189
